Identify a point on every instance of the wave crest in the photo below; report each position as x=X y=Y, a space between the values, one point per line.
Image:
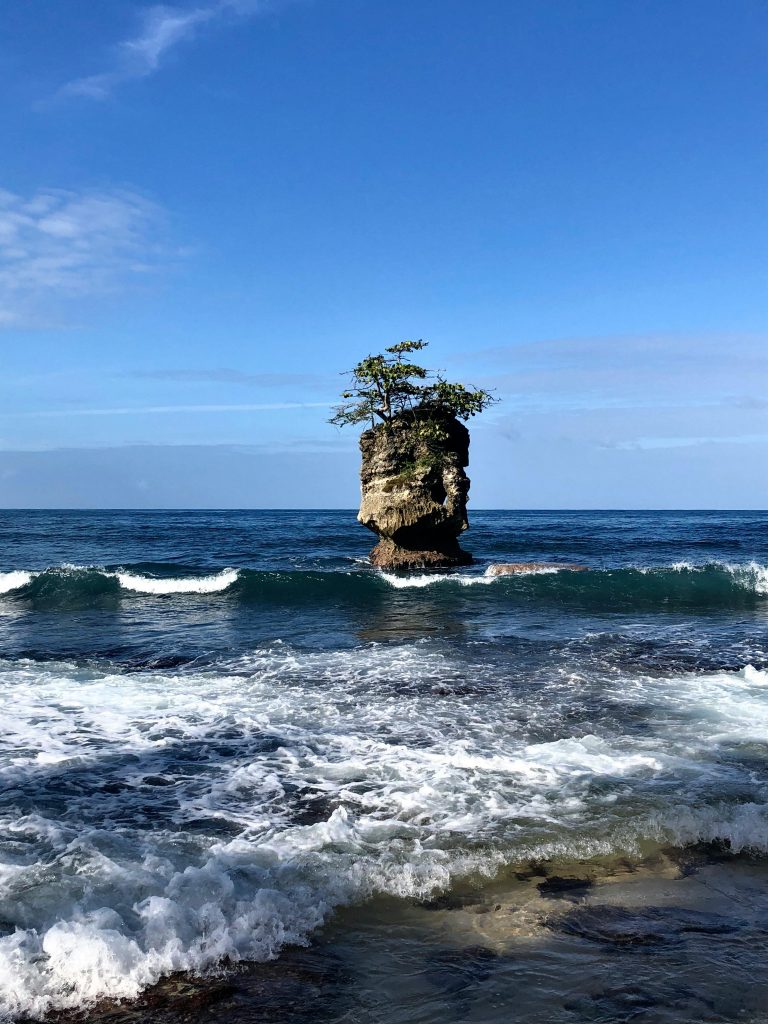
x=680 y=585
x=193 y=585
x=15 y=580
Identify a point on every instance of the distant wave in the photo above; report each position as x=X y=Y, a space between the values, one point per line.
x=435 y=579
x=189 y=585
x=680 y=585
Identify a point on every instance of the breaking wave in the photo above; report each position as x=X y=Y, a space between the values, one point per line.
x=15 y=580
x=681 y=585
x=158 y=822
x=191 y=585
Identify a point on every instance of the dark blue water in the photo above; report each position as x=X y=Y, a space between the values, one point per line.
x=221 y=727
x=302 y=577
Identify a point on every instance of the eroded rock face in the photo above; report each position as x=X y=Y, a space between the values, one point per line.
x=414 y=496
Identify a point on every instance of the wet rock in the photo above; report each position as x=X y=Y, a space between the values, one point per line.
x=456 y=901
x=414 y=491
x=556 y=887
x=299 y=988
x=692 y=858
x=514 y=568
x=622 y=1003
x=644 y=926
x=616 y=1004
x=533 y=869
x=455 y=971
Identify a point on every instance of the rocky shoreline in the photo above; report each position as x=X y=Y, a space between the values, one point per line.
x=541 y=940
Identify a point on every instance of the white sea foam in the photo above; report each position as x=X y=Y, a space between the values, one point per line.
x=14 y=580
x=462 y=579
x=431 y=579
x=755 y=676
x=178 y=585
x=753 y=576
x=320 y=779
x=742 y=826
x=750 y=575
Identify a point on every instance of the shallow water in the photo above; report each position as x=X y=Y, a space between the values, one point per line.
x=677 y=936
x=224 y=735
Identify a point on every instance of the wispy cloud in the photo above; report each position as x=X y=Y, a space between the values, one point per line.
x=229 y=375
x=163 y=28
x=670 y=396
x=163 y=410
x=625 y=371
x=650 y=443
x=273 y=447
x=57 y=244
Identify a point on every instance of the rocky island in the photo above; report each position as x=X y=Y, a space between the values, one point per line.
x=414 y=487
x=415 y=497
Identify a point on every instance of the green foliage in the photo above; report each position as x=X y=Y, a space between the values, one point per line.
x=389 y=385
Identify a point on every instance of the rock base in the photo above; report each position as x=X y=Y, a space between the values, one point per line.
x=393 y=557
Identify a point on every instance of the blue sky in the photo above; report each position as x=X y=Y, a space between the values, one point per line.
x=210 y=209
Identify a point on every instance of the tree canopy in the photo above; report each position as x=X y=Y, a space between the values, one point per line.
x=390 y=384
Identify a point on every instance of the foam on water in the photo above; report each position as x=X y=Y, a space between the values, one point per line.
x=187 y=585
x=751 y=575
x=431 y=579
x=712 y=585
x=462 y=579
x=160 y=821
x=755 y=676
x=15 y=580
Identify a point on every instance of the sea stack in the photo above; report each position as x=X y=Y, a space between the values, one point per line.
x=414 y=490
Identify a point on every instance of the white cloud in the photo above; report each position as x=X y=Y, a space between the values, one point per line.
x=686 y=397
x=58 y=244
x=596 y=373
x=163 y=410
x=648 y=443
x=227 y=375
x=163 y=28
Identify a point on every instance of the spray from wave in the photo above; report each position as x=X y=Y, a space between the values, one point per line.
x=165 y=821
x=681 y=585
x=15 y=580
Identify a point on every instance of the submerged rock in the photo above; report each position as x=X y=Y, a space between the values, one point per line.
x=414 y=491
x=301 y=987
x=636 y=926
x=558 y=887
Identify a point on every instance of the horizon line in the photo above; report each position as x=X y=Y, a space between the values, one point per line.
x=350 y=508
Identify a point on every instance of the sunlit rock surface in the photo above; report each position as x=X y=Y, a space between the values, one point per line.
x=414 y=495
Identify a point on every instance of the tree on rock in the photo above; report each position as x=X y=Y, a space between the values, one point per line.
x=414 y=488
x=390 y=384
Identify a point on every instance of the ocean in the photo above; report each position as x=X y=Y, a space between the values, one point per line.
x=246 y=777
